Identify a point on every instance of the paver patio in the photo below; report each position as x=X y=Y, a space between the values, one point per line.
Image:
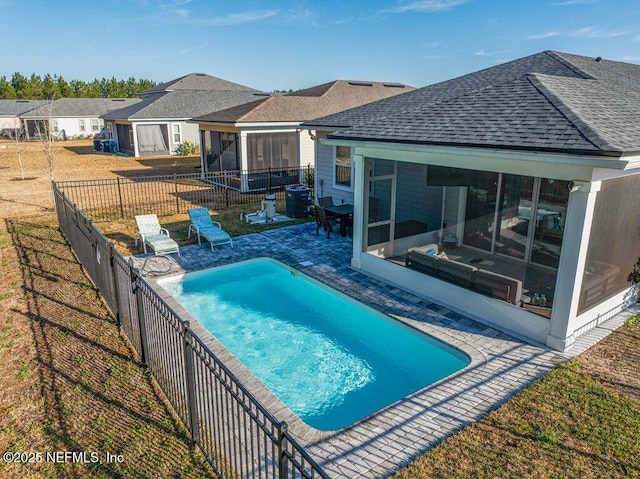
x=378 y=445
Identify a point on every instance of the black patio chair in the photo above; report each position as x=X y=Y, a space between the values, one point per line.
x=323 y=220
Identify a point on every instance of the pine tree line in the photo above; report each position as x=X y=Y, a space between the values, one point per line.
x=51 y=87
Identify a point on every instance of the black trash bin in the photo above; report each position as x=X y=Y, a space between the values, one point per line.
x=97 y=145
x=298 y=200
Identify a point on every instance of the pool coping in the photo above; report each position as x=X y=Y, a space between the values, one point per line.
x=273 y=403
x=380 y=444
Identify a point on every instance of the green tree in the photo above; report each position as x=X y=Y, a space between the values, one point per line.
x=50 y=90
x=7 y=92
x=21 y=86
x=37 y=89
x=66 y=91
x=47 y=87
x=95 y=89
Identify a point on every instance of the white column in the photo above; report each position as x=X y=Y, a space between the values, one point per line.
x=244 y=162
x=203 y=153
x=136 y=151
x=575 y=242
x=358 y=209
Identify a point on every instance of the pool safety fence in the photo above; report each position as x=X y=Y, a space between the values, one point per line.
x=124 y=197
x=239 y=437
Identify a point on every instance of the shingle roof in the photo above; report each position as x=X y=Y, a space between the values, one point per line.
x=310 y=103
x=183 y=104
x=198 y=81
x=79 y=107
x=18 y=107
x=550 y=101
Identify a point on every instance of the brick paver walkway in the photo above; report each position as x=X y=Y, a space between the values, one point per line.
x=378 y=445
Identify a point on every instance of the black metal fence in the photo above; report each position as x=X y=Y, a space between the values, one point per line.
x=237 y=435
x=119 y=198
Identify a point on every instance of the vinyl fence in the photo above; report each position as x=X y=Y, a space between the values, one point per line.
x=238 y=436
x=120 y=198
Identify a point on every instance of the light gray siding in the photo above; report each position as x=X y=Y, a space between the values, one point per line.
x=324 y=174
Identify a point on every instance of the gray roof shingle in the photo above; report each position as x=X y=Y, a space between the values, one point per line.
x=79 y=107
x=183 y=104
x=549 y=101
x=186 y=97
x=18 y=107
x=198 y=81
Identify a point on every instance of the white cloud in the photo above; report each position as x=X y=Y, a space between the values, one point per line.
x=585 y=32
x=239 y=18
x=484 y=53
x=575 y=2
x=182 y=12
x=428 y=6
x=540 y=36
x=174 y=4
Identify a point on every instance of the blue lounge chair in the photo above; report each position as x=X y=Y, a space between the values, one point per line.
x=203 y=225
x=157 y=237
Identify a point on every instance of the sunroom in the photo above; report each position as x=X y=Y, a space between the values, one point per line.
x=539 y=255
x=510 y=194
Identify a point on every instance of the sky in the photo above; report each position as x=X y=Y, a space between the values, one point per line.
x=282 y=44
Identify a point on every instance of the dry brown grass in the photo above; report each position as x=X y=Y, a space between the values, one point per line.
x=74 y=160
x=68 y=381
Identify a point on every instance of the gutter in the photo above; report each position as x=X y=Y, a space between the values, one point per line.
x=608 y=160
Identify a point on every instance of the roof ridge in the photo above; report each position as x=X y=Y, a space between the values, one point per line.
x=589 y=133
x=557 y=56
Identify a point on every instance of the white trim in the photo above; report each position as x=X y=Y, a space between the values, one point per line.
x=442 y=154
x=336 y=185
x=262 y=132
x=256 y=124
x=173 y=133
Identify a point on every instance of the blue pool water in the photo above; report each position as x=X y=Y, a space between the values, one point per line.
x=329 y=358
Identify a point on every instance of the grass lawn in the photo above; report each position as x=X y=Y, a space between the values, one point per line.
x=582 y=420
x=68 y=381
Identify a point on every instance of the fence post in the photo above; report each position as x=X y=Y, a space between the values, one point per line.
x=190 y=376
x=283 y=460
x=114 y=283
x=175 y=190
x=120 y=199
x=135 y=286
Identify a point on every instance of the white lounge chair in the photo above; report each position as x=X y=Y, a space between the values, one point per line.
x=157 y=237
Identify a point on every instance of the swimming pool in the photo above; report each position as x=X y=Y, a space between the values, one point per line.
x=327 y=357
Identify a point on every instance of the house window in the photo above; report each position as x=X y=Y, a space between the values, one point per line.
x=177 y=136
x=55 y=126
x=110 y=131
x=96 y=125
x=81 y=125
x=343 y=167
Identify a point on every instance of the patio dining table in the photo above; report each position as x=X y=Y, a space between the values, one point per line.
x=344 y=212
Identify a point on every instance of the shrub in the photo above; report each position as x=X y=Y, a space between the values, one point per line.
x=187 y=148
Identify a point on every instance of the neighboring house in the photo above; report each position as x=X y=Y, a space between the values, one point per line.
x=266 y=133
x=158 y=124
x=526 y=174
x=10 y=112
x=71 y=117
